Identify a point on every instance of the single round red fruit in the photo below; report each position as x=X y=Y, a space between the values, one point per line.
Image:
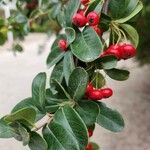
x=79 y=20
x=85 y=2
x=81 y=11
x=97 y=30
x=93 y=18
x=128 y=51
x=62 y=44
x=32 y=5
x=107 y=92
x=89 y=146
x=90 y=132
x=89 y=88
x=95 y=95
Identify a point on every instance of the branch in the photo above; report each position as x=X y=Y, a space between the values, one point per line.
x=41 y=123
x=105 y=8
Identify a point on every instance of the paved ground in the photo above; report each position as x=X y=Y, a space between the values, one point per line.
x=132 y=98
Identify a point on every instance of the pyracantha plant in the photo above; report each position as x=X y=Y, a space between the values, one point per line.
x=96 y=35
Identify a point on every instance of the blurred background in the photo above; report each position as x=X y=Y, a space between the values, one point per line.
x=21 y=60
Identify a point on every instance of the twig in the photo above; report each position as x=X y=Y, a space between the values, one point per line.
x=41 y=123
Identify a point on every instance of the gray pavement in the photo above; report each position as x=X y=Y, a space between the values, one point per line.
x=131 y=98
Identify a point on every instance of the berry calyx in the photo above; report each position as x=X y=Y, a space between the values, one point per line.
x=89 y=146
x=79 y=20
x=95 y=95
x=62 y=44
x=97 y=30
x=85 y=2
x=107 y=92
x=93 y=18
x=128 y=51
x=90 y=132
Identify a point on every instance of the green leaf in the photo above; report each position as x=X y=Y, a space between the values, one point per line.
x=78 y=81
x=55 y=56
x=122 y=8
x=108 y=62
x=37 y=142
x=67 y=131
x=28 y=103
x=68 y=65
x=38 y=90
x=87 y=46
x=98 y=80
x=71 y=9
x=71 y=35
x=3 y=38
x=6 y=131
x=110 y=119
x=138 y=8
x=131 y=33
x=57 y=74
x=25 y=116
x=20 y=18
x=88 y=111
x=117 y=74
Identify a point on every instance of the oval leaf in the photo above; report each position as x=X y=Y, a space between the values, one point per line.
x=71 y=35
x=110 y=119
x=38 y=90
x=67 y=131
x=88 y=111
x=117 y=74
x=77 y=83
x=87 y=46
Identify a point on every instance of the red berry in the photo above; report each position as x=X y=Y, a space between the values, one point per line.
x=90 y=132
x=127 y=51
x=62 y=44
x=81 y=12
x=79 y=20
x=89 y=146
x=93 y=18
x=107 y=92
x=97 y=30
x=95 y=95
x=32 y=5
x=89 y=88
x=84 y=2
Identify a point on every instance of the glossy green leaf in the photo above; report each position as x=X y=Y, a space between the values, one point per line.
x=131 y=33
x=6 y=131
x=118 y=74
x=26 y=116
x=71 y=34
x=95 y=146
x=71 y=8
x=108 y=62
x=67 y=131
x=87 y=46
x=38 y=90
x=77 y=83
x=88 y=111
x=54 y=57
x=57 y=74
x=110 y=119
x=68 y=65
x=133 y=13
x=37 y=142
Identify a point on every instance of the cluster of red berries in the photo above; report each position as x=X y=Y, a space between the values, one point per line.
x=121 y=51
x=32 y=5
x=80 y=20
x=98 y=94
